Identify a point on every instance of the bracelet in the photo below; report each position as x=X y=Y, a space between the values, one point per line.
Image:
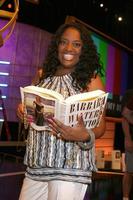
x=90 y=143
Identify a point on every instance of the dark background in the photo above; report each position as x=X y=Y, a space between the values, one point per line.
x=50 y=14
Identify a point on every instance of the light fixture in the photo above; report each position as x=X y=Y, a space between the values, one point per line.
x=101 y=5
x=4 y=62
x=3 y=96
x=120 y=18
x=10 y=25
x=4 y=74
x=3 y=85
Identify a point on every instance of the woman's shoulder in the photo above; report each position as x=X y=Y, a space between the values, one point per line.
x=96 y=84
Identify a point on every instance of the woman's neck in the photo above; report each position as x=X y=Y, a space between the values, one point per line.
x=63 y=71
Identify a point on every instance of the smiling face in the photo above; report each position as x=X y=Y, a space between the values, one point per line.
x=69 y=49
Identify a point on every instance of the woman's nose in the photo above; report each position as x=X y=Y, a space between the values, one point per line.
x=69 y=46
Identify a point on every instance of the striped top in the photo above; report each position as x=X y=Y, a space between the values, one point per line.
x=49 y=158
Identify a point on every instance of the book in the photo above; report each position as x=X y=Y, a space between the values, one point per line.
x=100 y=159
x=116 y=159
x=40 y=104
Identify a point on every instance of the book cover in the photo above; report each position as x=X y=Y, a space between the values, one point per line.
x=40 y=104
x=100 y=159
x=116 y=159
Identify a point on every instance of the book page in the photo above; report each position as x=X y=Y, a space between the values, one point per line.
x=85 y=96
x=60 y=111
x=43 y=92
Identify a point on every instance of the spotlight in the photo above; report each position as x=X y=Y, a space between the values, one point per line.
x=101 y=5
x=120 y=18
x=9 y=5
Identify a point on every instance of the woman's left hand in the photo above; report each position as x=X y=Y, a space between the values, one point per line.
x=76 y=133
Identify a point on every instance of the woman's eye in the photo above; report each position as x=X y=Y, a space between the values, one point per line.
x=63 y=42
x=77 y=45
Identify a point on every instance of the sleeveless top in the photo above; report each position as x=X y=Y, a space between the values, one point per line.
x=49 y=158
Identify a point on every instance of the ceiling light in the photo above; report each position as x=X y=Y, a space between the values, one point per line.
x=120 y=18
x=101 y=5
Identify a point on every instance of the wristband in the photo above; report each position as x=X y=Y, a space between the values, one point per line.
x=88 y=144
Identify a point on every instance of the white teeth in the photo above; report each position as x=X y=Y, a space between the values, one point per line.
x=68 y=57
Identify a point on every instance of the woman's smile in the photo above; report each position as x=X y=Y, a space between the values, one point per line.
x=68 y=57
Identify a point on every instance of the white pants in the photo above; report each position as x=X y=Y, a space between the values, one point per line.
x=52 y=190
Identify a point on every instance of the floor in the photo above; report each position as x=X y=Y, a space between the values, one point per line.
x=12 y=174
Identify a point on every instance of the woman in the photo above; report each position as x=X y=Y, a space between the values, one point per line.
x=60 y=162
x=127 y=125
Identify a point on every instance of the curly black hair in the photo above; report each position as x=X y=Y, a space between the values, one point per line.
x=89 y=63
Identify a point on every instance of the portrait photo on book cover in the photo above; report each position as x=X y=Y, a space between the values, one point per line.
x=38 y=109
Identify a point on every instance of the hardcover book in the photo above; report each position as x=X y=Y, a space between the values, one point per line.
x=100 y=159
x=116 y=159
x=40 y=104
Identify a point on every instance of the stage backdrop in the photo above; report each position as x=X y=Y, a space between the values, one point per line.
x=26 y=50
x=117 y=68
x=115 y=62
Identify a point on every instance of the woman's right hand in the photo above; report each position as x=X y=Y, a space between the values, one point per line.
x=20 y=112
